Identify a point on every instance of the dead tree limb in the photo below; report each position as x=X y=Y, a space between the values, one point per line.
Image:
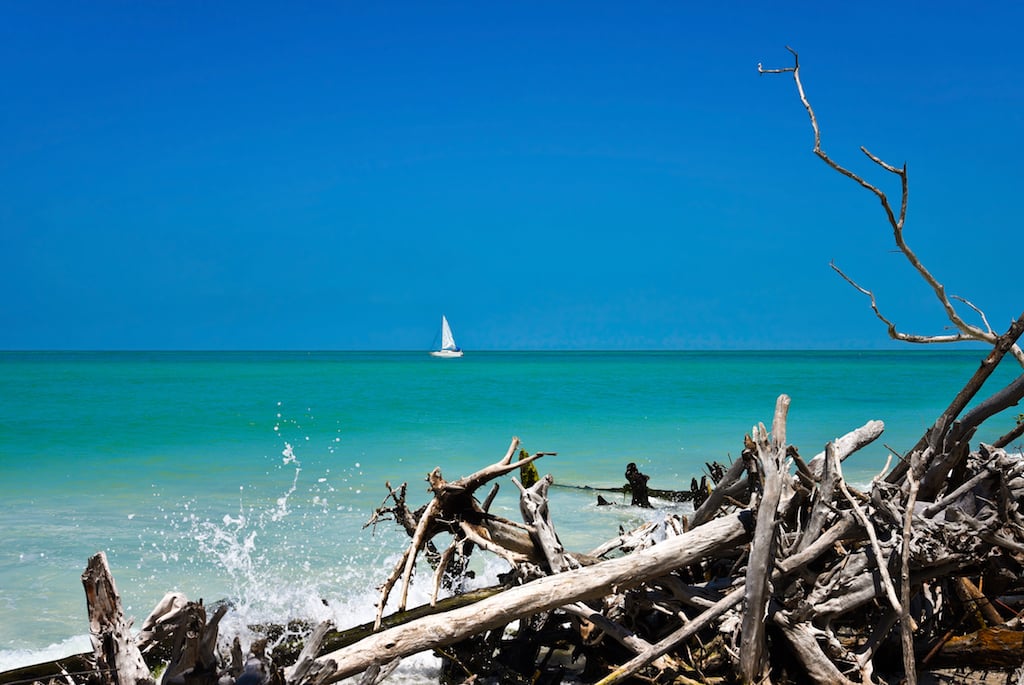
x=306 y=666
x=730 y=486
x=617 y=632
x=803 y=638
x=907 y=624
x=454 y=509
x=543 y=594
x=881 y=561
x=896 y=219
x=118 y=659
x=533 y=505
x=938 y=435
x=1013 y=434
x=770 y=457
x=848 y=444
x=663 y=646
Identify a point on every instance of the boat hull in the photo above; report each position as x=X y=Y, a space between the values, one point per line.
x=446 y=354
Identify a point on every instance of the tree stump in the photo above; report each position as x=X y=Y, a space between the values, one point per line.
x=118 y=659
x=638 y=486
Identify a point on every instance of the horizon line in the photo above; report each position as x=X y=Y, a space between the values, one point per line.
x=964 y=346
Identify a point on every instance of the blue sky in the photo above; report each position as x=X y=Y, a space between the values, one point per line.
x=194 y=175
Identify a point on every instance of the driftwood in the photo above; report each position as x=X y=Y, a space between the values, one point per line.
x=637 y=486
x=820 y=585
x=642 y=492
x=784 y=572
x=993 y=648
x=794 y=575
x=117 y=657
x=768 y=462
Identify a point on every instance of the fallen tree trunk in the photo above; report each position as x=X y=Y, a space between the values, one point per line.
x=989 y=648
x=544 y=594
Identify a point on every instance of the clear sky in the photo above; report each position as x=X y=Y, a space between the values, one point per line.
x=550 y=175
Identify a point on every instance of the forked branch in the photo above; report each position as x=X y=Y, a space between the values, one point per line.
x=896 y=219
x=454 y=509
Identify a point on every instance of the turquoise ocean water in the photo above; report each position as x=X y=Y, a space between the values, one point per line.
x=249 y=475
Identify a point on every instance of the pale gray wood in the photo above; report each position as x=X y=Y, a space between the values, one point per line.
x=770 y=455
x=544 y=594
x=664 y=645
x=802 y=638
x=533 y=505
x=118 y=659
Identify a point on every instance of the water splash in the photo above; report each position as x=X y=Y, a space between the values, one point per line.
x=287 y=551
x=282 y=501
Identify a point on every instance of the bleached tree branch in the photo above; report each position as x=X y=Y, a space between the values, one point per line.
x=896 y=219
x=894 y=333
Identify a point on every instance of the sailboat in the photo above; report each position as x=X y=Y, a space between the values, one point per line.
x=448 y=347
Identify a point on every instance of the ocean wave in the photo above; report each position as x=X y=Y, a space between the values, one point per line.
x=11 y=659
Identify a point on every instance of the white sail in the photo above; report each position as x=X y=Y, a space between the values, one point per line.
x=448 y=346
x=447 y=339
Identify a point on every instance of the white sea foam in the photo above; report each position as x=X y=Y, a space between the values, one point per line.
x=295 y=552
x=11 y=659
x=266 y=589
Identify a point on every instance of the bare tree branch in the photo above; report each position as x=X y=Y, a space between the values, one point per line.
x=894 y=333
x=907 y=623
x=1012 y=435
x=896 y=220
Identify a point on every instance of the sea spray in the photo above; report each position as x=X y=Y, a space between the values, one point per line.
x=262 y=593
x=127 y=452
x=266 y=586
x=290 y=588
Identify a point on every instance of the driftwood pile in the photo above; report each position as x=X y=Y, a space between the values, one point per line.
x=785 y=573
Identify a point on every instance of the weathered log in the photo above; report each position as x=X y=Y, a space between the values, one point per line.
x=118 y=659
x=157 y=632
x=845 y=527
x=289 y=651
x=541 y=595
x=881 y=558
x=306 y=667
x=848 y=444
x=803 y=638
x=821 y=503
x=78 y=665
x=193 y=657
x=533 y=504
x=995 y=648
x=617 y=632
x=769 y=456
x=907 y=623
x=976 y=600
